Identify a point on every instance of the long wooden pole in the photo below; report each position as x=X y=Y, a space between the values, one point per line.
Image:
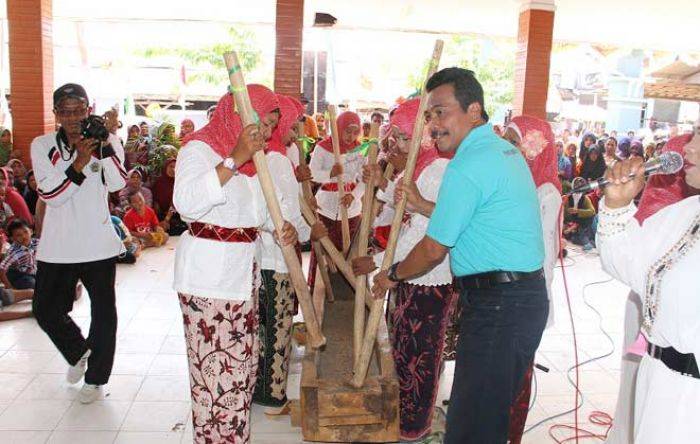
x=375 y=314
x=248 y=117
x=333 y=253
x=335 y=137
x=362 y=243
x=318 y=250
x=388 y=174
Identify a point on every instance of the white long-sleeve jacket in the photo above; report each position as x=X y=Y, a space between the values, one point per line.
x=629 y=251
x=413 y=231
x=322 y=162
x=288 y=190
x=208 y=268
x=550 y=206
x=77 y=226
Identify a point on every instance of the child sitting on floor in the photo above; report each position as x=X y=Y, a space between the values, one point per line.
x=18 y=268
x=143 y=223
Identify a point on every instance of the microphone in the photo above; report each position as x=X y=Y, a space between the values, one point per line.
x=667 y=163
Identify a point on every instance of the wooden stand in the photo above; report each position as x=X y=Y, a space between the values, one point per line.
x=331 y=409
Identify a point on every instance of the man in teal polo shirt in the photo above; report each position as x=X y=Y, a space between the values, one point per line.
x=487 y=217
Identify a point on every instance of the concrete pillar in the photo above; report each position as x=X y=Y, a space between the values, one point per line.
x=31 y=70
x=534 y=50
x=289 y=26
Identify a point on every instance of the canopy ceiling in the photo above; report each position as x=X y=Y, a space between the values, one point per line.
x=669 y=25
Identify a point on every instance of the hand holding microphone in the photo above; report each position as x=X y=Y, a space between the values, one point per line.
x=625 y=180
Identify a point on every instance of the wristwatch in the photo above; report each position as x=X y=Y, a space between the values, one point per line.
x=391 y=273
x=231 y=165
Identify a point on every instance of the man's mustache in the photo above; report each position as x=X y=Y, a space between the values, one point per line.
x=435 y=134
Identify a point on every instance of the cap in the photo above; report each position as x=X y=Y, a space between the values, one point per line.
x=72 y=90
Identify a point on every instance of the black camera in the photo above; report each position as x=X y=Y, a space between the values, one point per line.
x=93 y=127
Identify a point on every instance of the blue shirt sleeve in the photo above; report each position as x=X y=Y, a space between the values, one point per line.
x=457 y=201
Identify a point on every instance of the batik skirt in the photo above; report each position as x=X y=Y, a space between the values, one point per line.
x=275 y=312
x=222 y=351
x=418 y=329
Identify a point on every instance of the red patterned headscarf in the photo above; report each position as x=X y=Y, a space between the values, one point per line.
x=345 y=119
x=664 y=190
x=301 y=109
x=404 y=118
x=289 y=115
x=537 y=145
x=225 y=126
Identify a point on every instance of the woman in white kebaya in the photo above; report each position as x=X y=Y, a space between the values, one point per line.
x=660 y=261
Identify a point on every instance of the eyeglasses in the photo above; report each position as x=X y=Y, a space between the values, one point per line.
x=77 y=112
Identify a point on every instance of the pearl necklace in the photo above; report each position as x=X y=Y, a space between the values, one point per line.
x=661 y=267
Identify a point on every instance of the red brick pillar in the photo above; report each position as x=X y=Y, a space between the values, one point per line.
x=289 y=26
x=31 y=70
x=533 y=57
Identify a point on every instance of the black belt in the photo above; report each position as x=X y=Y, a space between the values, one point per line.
x=494 y=278
x=683 y=363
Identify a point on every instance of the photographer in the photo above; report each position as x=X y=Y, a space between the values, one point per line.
x=75 y=169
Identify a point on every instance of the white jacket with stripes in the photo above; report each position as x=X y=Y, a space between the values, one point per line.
x=77 y=226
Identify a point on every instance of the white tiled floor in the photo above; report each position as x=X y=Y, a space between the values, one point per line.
x=147 y=400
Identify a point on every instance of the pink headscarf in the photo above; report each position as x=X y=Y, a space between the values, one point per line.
x=404 y=118
x=225 y=126
x=345 y=119
x=537 y=145
x=289 y=115
x=664 y=190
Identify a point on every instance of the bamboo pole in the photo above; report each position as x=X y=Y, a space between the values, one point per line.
x=360 y=370
x=363 y=240
x=388 y=174
x=248 y=117
x=335 y=137
x=333 y=253
x=318 y=250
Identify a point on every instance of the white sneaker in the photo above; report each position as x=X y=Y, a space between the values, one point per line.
x=90 y=393
x=76 y=372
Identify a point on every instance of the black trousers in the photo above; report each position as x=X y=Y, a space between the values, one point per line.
x=53 y=300
x=500 y=331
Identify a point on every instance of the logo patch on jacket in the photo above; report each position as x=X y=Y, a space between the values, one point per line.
x=54 y=155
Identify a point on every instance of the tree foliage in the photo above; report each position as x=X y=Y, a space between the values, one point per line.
x=493 y=65
x=205 y=63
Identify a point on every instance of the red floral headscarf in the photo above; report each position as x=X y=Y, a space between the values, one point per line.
x=225 y=126
x=664 y=190
x=404 y=118
x=537 y=145
x=344 y=120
